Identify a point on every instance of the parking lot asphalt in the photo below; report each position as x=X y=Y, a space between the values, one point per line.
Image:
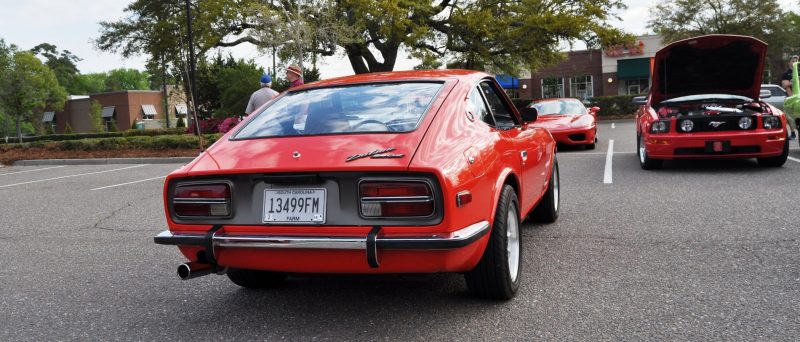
x=701 y=250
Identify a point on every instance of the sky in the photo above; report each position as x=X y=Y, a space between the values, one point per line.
x=72 y=25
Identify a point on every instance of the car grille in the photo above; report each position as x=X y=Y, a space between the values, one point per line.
x=686 y=151
x=716 y=124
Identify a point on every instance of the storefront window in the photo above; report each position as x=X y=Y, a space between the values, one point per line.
x=552 y=87
x=580 y=87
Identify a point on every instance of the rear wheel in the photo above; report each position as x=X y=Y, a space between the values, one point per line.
x=776 y=161
x=644 y=161
x=547 y=209
x=255 y=279
x=497 y=274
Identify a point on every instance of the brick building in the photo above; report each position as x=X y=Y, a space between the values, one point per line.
x=615 y=70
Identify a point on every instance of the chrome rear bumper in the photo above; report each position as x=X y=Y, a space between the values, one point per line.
x=457 y=239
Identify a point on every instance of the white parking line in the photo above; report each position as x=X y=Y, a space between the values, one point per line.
x=612 y=125
x=80 y=174
x=134 y=182
x=609 y=158
x=794 y=159
x=42 y=169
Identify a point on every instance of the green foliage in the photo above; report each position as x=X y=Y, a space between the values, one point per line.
x=62 y=64
x=27 y=85
x=85 y=84
x=96 y=116
x=762 y=19
x=127 y=79
x=68 y=128
x=180 y=123
x=237 y=83
x=79 y=136
x=112 y=126
x=613 y=105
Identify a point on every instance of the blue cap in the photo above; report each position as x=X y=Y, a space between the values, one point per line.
x=266 y=79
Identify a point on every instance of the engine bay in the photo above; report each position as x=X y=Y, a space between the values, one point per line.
x=711 y=108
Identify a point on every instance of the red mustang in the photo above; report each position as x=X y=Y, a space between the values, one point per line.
x=406 y=172
x=568 y=121
x=704 y=103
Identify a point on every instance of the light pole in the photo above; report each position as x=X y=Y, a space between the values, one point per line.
x=192 y=80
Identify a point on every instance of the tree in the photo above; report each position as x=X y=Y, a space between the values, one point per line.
x=762 y=19
x=27 y=85
x=96 y=116
x=127 y=79
x=237 y=83
x=85 y=84
x=62 y=63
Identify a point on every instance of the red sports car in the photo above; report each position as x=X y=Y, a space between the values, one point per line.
x=704 y=103
x=568 y=121
x=406 y=172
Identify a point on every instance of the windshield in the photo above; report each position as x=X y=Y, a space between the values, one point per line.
x=392 y=107
x=559 y=107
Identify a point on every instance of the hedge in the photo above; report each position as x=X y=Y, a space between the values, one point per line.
x=614 y=105
x=79 y=136
x=160 y=142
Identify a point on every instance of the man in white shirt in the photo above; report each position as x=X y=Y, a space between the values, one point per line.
x=262 y=95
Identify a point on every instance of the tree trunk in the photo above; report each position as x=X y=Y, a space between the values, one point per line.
x=19 y=128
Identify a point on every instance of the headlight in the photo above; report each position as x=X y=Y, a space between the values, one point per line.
x=771 y=122
x=745 y=122
x=687 y=125
x=585 y=121
x=659 y=127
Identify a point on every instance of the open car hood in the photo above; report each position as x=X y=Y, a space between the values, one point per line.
x=712 y=64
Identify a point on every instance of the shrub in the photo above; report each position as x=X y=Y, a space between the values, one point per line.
x=613 y=105
x=180 y=123
x=227 y=124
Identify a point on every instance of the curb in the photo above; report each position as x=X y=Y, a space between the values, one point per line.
x=104 y=161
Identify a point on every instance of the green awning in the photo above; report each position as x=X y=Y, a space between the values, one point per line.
x=629 y=69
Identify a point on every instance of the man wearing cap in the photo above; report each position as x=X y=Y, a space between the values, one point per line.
x=295 y=76
x=262 y=95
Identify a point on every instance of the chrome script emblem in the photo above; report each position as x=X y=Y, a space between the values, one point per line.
x=384 y=153
x=716 y=124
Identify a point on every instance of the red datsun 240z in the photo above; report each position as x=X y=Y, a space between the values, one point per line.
x=404 y=172
x=704 y=102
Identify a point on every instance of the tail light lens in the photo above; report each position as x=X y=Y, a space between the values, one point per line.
x=202 y=200
x=396 y=199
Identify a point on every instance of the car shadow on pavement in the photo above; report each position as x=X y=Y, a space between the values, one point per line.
x=715 y=166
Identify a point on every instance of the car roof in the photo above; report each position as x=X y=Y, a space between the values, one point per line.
x=468 y=76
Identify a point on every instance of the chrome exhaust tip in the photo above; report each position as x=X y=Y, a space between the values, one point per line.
x=193 y=269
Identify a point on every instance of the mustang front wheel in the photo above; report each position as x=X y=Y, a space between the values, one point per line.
x=254 y=279
x=497 y=274
x=776 y=161
x=644 y=161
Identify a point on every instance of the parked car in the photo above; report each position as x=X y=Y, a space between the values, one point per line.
x=704 y=103
x=568 y=120
x=776 y=95
x=405 y=172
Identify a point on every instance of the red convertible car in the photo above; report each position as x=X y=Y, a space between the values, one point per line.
x=568 y=121
x=705 y=103
x=406 y=172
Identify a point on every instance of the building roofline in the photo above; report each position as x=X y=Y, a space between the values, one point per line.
x=126 y=91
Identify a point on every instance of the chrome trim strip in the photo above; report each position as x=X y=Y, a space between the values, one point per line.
x=200 y=200
x=457 y=239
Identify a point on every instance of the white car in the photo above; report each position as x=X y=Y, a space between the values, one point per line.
x=777 y=95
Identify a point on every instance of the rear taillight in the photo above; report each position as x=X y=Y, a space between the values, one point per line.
x=396 y=199
x=202 y=200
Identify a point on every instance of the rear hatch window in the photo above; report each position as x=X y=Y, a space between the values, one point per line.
x=365 y=108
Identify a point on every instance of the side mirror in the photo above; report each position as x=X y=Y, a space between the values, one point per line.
x=594 y=110
x=640 y=100
x=529 y=114
x=765 y=93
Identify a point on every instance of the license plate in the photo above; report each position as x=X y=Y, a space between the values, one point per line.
x=294 y=206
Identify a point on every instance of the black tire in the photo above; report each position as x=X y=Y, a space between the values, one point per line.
x=547 y=209
x=590 y=146
x=644 y=161
x=254 y=279
x=494 y=277
x=776 y=161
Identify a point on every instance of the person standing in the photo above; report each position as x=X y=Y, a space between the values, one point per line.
x=295 y=76
x=262 y=95
x=791 y=106
x=786 y=78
